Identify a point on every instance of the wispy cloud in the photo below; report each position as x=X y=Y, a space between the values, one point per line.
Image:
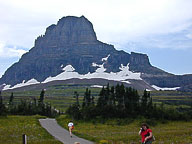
x=10 y=51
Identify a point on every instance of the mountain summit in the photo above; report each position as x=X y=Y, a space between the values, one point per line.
x=69 y=30
x=70 y=49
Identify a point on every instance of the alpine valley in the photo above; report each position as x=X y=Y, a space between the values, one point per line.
x=69 y=52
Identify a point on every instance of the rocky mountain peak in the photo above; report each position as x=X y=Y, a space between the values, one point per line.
x=139 y=59
x=70 y=46
x=68 y=30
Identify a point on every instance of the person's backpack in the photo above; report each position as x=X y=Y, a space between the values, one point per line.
x=153 y=137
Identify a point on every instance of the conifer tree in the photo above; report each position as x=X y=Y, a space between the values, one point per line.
x=107 y=95
x=117 y=94
x=1 y=99
x=77 y=98
x=2 y=107
x=92 y=100
x=145 y=101
x=122 y=94
x=131 y=100
x=87 y=98
x=42 y=94
x=101 y=100
x=112 y=95
x=11 y=99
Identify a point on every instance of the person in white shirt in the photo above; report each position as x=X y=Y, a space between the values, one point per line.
x=71 y=126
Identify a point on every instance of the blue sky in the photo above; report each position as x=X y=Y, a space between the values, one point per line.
x=160 y=28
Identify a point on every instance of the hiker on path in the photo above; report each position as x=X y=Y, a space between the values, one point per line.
x=146 y=134
x=71 y=127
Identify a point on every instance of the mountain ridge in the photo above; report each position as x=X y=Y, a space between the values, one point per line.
x=73 y=41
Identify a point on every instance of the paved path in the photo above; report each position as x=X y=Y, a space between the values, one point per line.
x=60 y=133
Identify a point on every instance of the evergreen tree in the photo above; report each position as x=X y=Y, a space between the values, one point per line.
x=101 y=100
x=74 y=111
x=117 y=94
x=112 y=96
x=135 y=98
x=77 y=98
x=128 y=100
x=42 y=94
x=11 y=99
x=120 y=95
x=92 y=100
x=107 y=95
x=1 y=100
x=2 y=106
x=145 y=102
x=87 y=98
x=132 y=101
x=41 y=106
x=11 y=107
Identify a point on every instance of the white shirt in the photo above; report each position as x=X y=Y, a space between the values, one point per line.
x=70 y=124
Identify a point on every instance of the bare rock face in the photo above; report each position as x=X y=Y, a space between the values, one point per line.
x=68 y=31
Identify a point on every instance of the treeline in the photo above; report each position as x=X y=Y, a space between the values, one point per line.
x=28 y=107
x=122 y=102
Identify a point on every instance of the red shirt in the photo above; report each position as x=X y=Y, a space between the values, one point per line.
x=145 y=134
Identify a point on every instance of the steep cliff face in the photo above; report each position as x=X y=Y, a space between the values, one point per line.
x=68 y=31
x=73 y=41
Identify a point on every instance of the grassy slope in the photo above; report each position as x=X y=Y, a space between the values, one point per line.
x=112 y=131
x=62 y=96
x=13 y=127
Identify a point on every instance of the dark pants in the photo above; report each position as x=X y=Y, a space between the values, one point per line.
x=148 y=142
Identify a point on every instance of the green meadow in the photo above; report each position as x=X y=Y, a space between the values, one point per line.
x=62 y=96
x=13 y=127
x=115 y=131
x=126 y=131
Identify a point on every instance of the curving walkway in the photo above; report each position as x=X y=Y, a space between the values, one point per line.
x=60 y=133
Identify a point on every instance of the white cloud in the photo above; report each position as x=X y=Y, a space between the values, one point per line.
x=9 y=52
x=119 y=22
x=114 y=21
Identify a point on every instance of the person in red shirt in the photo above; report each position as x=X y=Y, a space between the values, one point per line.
x=146 y=134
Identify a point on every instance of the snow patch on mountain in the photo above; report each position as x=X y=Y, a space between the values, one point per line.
x=100 y=68
x=106 y=58
x=30 y=82
x=97 y=86
x=165 y=88
x=69 y=68
x=122 y=75
x=126 y=82
x=69 y=72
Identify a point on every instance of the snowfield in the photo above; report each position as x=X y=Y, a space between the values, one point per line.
x=69 y=72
